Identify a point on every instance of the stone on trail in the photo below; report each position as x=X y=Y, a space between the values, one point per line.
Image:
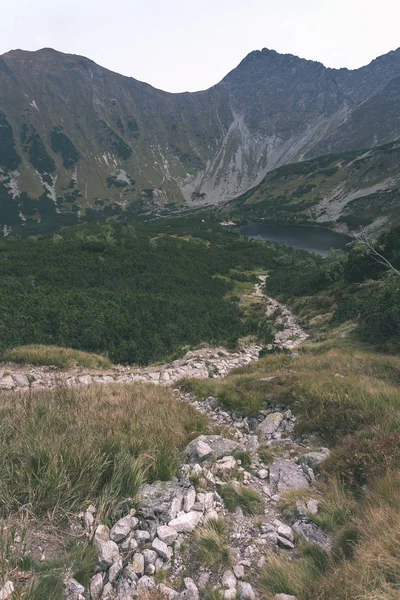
x=219 y=445
x=269 y=426
x=314 y=534
x=245 y=591
x=167 y=534
x=163 y=500
x=186 y=522
x=286 y=475
x=121 y=529
x=96 y=586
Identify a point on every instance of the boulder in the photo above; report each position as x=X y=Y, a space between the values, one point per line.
x=313 y=459
x=186 y=523
x=137 y=564
x=245 y=591
x=219 y=446
x=167 y=534
x=162 y=500
x=96 y=586
x=269 y=426
x=314 y=534
x=286 y=475
x=161 y=548
x=108 y=552
x=121 y=529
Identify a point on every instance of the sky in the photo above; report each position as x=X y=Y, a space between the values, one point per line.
x=187 y=45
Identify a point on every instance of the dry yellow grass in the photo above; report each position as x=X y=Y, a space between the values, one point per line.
x=62 y=448
x=65 y=358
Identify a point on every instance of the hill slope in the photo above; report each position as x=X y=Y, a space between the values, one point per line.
x=77 y=140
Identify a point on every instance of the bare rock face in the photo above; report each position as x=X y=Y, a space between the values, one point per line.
x=286 y=475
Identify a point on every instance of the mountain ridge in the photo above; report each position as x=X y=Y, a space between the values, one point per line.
x=79 y=139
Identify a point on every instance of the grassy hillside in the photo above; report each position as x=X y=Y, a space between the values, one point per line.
x=352 y=189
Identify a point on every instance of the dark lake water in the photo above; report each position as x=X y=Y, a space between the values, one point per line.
x=298 y=236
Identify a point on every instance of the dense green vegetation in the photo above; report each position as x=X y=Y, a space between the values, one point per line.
x=358 y=286
x=138 y=294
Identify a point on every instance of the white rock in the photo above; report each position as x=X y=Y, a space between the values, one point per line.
x=146 y=583
x=74 y=587
x=203 y=449
x=286 y=532
x=189 y=500
x=137 y=564
x=262 y=473
x=150 y=556
x=238 y=571
x=211 y=515
x=121 y=529
x=285 y=543
x=21 y=380
x=284 y=597
x=150 y=570
x=161 y=548
x=115 y=570
x=228 y=579
x=245 y=591
x=108 y=552
x=167 y=591
x=186 y=522
x=142 y=536
x=102 y=533
x=167 y=534
x=6 y=383
x=96 y=586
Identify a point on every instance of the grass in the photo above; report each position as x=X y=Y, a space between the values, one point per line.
x=64 y=358
x=211 y=545
x=63 y=449
x=236 y=495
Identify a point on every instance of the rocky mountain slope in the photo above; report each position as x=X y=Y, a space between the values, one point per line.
x=348 y=190
x=79 y=141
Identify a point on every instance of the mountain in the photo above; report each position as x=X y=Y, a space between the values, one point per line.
x=347 y=190
x=78 y=141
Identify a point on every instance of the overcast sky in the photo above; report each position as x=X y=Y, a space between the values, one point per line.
x=180 y=45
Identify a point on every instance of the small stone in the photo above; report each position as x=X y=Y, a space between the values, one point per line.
x=146 y=583
x=74 y=587
x=21 y=380
x=189 y=500
x=115 y=570
x=142 y=536
x=121 y=529
x=137 y=564
x=262 y=474
x=186 y=522
x=203 y=580
x=96 y=586
x=108 y=552
x=285 y=543
x=238 y=571
x=161 y=548
x=228 y=579
x=203 y=450
x=150 y=570
x=286 y=532
x=149 y=556
x=167 y=534
x=284 y=597
x=245 y=591
x=167 y=591
x=6 y=383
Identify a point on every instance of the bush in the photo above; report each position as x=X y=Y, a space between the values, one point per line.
x=237 y=495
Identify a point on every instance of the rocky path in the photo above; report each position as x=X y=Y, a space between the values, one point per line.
x=154 y=548
x=151 y=551
x=201 y=364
